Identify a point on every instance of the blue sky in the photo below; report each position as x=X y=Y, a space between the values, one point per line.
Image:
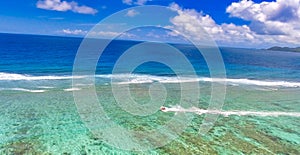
x=243 y=23
x=21 y=16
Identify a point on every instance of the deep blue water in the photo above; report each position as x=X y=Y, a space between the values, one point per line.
x=47 y=55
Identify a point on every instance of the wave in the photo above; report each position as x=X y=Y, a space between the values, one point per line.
x=255 y=82
x=139 y=79
x=143 y=78
x=45 y=87
x=25 y=90
x=228 y=113
x=72 y=89
x=16 y=77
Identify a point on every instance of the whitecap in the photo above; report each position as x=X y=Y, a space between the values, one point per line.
x=26 y=90
x=72 y=89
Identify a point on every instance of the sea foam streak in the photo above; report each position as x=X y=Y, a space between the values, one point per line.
x=72 y=89
x=138 y=79
x=227 y=113
x=45 y=87
x=141 y=78
x=25 y=90
x=15 y=77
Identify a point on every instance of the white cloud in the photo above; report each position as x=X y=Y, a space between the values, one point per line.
x=136 y=2
x=103 y=34
x=281 y=17
x=190 y=22
x=280 y=10
x=128 y=2
x=141 y=2
x=107 y=33
x=132 y=13
x=111 y=34
x=74 y=32
x=59 y=5
x=153 y=35
x=84 y=9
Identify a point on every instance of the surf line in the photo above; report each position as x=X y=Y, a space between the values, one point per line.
x=198 y=111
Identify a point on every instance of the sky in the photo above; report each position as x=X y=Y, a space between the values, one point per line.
x=236 y=23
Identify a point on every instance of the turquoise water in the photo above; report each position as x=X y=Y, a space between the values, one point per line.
x=49 y=123
x=38 y=114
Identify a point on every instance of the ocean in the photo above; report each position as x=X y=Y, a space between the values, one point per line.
x=39 y=115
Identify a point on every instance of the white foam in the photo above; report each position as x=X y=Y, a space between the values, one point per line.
x=227 y=113
x=137 y=81
x=15 y=77
x=264 y=83
x=83 y=84
x=72 y=89
x=140 y=78
x=26 y=90
x=45 y=87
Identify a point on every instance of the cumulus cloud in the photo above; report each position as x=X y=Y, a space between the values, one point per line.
x=195 y=24
x=280 y=10
x=132 y=13
x=74 y=32
x=141 y=2
x=111 y=34
x=135 y=2
x=265 y=30
x=280 y=17
x=128 y=2
x=59 y=5
x=104 y=34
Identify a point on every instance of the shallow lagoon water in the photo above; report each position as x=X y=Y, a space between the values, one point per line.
x=48 y=122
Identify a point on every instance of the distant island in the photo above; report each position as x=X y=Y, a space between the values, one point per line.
x=277 y=48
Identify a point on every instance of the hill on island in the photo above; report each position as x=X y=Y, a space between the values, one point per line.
x=277 y=48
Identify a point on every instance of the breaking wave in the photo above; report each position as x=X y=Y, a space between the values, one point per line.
x=141 y=78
